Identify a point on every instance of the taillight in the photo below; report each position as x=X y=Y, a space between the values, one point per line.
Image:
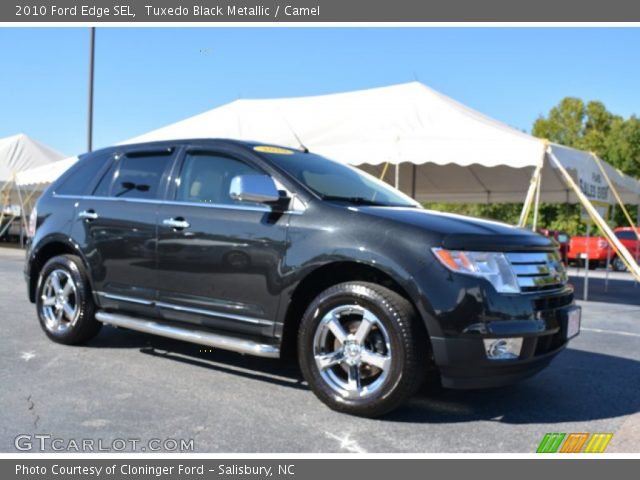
x=33 y=218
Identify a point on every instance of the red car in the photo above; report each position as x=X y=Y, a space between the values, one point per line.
x=598 y=249
x=561 y=238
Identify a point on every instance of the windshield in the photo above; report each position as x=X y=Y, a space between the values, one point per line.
x=333 y=181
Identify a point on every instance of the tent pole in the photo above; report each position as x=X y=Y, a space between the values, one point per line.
x=608 y=264
x=622 y=206
x=6 y=227
x=606 y=231
x=526 y=206
x=23 y=223
x=397 y=185
x=384 y=170
x=4 y=187
x=5 y=191
x=536 y=208
x=585 y=293
x=413 y=182
x=28 y=198
x=25 y=203
x=615 y=194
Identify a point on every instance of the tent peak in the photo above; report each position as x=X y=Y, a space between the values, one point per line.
x=14 y=137
x=414 y=84
x=20 y=152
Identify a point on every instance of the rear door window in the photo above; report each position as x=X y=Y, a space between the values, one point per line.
x=135 y=175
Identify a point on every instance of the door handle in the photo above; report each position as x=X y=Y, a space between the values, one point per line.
x=88 y=215
x=178 y=223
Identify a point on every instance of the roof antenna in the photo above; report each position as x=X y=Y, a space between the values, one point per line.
x=301 y=145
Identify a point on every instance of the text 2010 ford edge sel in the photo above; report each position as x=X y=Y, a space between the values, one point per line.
x=269 y=251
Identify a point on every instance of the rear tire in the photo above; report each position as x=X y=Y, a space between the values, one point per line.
x=64 y=302
x=362 y=349
x=618 y=265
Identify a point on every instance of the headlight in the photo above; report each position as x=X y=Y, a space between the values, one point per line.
x=31 y=228
x=493 y=266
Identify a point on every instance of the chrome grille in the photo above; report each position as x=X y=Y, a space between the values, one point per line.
x=538 y=270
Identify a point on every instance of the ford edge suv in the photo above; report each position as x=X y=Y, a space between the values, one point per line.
x=273 y=252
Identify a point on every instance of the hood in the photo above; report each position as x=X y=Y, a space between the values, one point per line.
x=465 y=233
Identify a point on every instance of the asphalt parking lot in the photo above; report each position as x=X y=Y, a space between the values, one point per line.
x=128 y=385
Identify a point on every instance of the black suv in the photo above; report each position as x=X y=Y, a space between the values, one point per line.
x=270 y=251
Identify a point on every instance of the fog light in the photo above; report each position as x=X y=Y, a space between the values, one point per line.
x=503 y=348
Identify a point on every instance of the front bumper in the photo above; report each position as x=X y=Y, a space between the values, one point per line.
x=463 y=362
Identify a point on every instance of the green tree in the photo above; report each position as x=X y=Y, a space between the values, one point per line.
x=574 y=124
x=565 y=123
x=597 y=128
x=623 y=146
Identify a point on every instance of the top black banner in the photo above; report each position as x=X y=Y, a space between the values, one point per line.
x=220 y=11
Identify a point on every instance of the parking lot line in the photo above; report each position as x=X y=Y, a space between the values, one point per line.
x=613 y=332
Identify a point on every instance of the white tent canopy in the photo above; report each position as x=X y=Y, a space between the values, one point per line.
x=20 y=152
x=443 y=150
x=478 y=183
x=39 y=177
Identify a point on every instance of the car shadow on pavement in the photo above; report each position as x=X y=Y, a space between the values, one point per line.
x=280 y=372
x=577 y=386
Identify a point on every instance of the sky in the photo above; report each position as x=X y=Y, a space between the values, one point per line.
x=146 y=78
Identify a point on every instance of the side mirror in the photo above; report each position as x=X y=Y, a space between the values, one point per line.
x=254 y=189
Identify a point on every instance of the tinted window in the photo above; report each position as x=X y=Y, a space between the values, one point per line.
x=626 y=235
x=102 y=190
x=337 y=182
x=206 y=178
x=83 y=174
x=135 y=176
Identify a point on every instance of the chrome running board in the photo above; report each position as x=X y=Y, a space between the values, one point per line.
x=188 y=335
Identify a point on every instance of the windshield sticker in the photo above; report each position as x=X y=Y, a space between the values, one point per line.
x=267 y=149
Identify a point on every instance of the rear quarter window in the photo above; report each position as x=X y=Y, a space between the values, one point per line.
x=83 y=175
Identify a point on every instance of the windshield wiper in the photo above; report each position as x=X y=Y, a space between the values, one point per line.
x=355 y=200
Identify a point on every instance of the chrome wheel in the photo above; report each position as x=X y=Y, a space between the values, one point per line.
x=352 y=351
x=59 y=302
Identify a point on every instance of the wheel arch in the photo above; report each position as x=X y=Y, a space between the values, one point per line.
x=324 y=277
x=46 y=250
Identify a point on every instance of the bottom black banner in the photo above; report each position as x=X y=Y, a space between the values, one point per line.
x=324 y=469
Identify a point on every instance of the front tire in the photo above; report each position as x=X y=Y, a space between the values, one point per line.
x=64 y=302
x=362 y=349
